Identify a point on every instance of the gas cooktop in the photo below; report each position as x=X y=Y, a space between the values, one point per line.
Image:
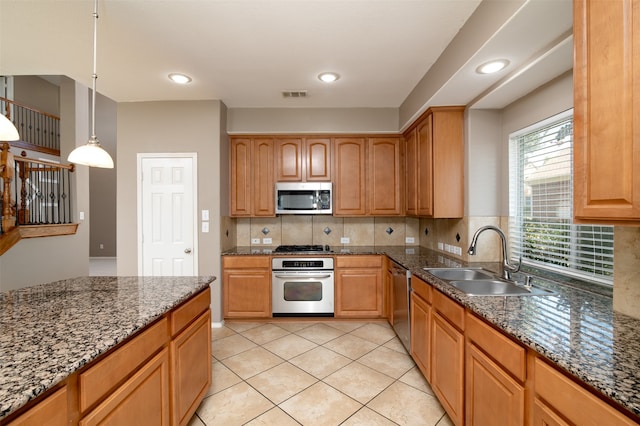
x=311 y=248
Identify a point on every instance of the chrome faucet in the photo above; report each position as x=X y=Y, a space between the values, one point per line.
x=507 y=267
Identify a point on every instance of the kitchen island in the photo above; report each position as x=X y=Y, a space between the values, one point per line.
x=574 y=330
x=56 y=335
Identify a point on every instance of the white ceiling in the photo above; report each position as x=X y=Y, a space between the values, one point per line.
x=246 y=52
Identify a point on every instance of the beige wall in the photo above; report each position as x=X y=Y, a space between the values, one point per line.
x=37 y=93
x=66 y=256
x=165 y=127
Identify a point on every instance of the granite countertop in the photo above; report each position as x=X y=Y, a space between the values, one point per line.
x=576 y=328
x=49 y=331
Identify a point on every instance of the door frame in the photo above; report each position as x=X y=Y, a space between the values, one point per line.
x=151 y=155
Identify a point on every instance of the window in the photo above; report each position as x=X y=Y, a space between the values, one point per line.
x=541 y=205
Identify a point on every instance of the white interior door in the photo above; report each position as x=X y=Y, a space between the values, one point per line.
x=166 y=214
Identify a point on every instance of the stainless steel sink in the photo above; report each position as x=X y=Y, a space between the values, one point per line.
x=480 y=282
x=455 y=274
x=496 y=287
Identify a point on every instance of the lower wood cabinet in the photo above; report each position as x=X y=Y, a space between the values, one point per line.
x=52 y=411
x=358 y=286
x=246 y=286
x=421 y=313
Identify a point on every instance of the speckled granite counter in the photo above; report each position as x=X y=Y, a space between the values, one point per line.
x=576 y=328
x=49 y=331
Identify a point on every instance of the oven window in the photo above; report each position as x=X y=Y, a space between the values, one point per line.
x=303 y=291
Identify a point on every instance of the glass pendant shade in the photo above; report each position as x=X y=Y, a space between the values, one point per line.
x=91 y=154
x=8 y=131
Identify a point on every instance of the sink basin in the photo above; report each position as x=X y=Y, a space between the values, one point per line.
x=460 y=274
x=493 y=287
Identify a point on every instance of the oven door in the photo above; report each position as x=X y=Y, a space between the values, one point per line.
x=302 y=293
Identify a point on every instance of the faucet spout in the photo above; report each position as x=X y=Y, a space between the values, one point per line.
x=507 y=267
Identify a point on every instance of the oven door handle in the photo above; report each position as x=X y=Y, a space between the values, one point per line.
x=296 y=276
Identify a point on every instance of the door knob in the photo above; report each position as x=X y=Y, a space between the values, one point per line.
x=187 y=250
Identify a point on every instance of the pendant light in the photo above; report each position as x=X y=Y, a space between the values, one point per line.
x=8 y=131
x=92 y=154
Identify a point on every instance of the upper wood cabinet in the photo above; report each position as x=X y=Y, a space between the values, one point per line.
x=252 y=177
x=303 y=159
x=434 y=177
x=385 y=176
x=606 y=111
x=349 y=172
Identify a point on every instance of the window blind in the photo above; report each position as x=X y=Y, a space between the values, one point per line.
x=541 y=205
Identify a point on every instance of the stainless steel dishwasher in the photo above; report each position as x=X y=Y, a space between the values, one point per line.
x=401 y=282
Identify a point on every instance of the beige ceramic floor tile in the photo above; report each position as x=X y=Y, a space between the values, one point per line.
x=289 y=346
x=407 y=406
x=396 y=345
x=230 y=346
x=273 y=417
x=195 y=421
x=415 y=378
x=252 y=362
x=221 y=332
x=346 y=326
x=334 y=408
x=293 y=326
x=265 y=333
x=374 y=333
x=320 y=333
x=445 y=421
x=359 y=382
x=320 y=362
x=281 y=382
x=233 y=406
x=242 y=326
x=221 y=378
x=388 y=361
x=367 y=417
x=350 y=346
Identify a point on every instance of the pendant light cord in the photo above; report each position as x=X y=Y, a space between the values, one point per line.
x=94 y=76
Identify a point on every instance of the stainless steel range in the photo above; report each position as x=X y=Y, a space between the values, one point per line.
x=302 y=286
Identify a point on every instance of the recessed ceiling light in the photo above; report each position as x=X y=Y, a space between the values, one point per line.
x=328 y=77
x=180 y=78
x=492 y=66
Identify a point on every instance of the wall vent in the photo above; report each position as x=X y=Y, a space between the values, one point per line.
x=294 y=94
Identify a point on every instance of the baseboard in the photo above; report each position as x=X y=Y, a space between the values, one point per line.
x=215 y=324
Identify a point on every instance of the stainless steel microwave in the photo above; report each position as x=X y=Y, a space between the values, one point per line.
x=304 y=198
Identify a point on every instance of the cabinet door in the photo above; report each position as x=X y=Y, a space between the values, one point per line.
x=240 y=177
x=424 y=176
x=247 y=293
x=411 y=172
x=349 y=197
x=607 y=110
x=318 y=156
x=447 y=367
x=492 y=396
x=385 y=177
x=263 y=183
x=288 y=160
x=421 y=334
x=50 y=412
x=447 y=162
x=191 y=368
x=141 y=400
x=358 y=293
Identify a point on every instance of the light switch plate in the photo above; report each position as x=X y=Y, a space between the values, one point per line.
x=409 y=240
x=205 y=214
x=255 y=241
x=344 y=240
x=266 y=241
x=205 y=226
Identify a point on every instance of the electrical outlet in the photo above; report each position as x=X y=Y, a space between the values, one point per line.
x=440 y=246
x=255 y=241
x=457 y=250
x=266 y=241
x=409 y=240
x=205 y=226
x=344 y=240
x=101 y=246
x=447 y=248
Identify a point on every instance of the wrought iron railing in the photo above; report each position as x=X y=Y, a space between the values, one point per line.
x=39 y=131
x=34 y=192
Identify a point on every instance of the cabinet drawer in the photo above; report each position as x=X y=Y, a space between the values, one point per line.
x=246 y=262
x=422 y=289
x=358 y=261
x=449 y=309
x=510 y=355
x=100 y=379
x=571 y=400
x=188 y=311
